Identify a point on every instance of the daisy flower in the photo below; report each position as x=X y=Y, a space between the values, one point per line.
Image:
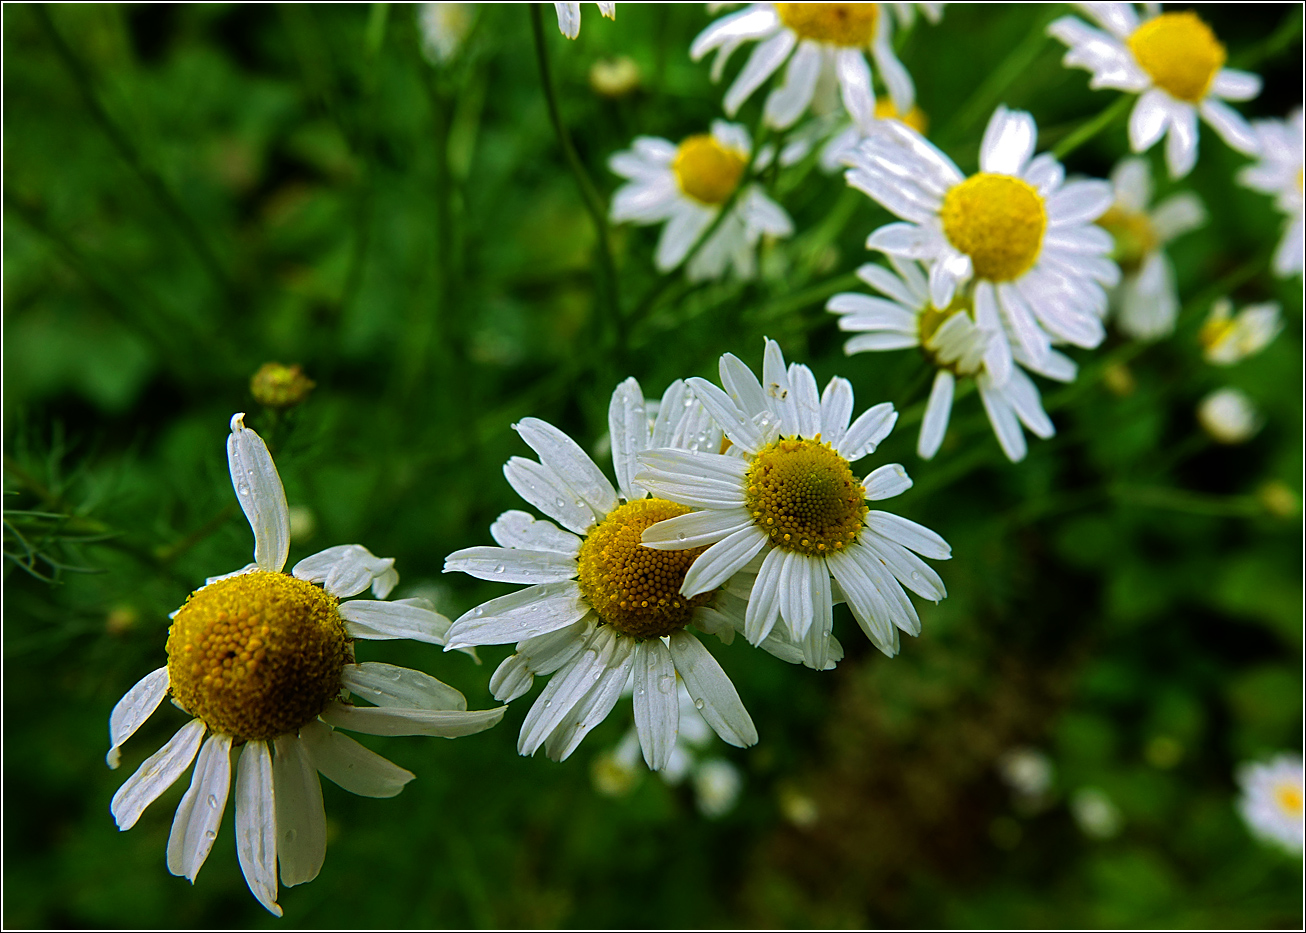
x=686 y=187
x=1272 y=800
x=786 y=490
x=1279 y=172
x=569 y=16
x=951 y=340
x=1228 y=338
x=841 y=135
x=600 y=608
x=444 y=28
x=263 y=659
x=1174 y=62
x=822 y=42
x=1146 y=301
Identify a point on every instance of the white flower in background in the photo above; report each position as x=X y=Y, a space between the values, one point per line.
x=953 y=342
x=444 y=27
x=823 y=43
x=906 y=12
x=614 y=77
x=717 y=784
x=787 y=490
x=1028 y=772
x=263 y=658
x=841 y=135
x=569 y=16
x=1229 y=416
x=601 y=608
x=1272 y=800
x=1279 y=172
x=1228 y=338
x=1095 y=812
x=1146 y=302
x=686 y=187
x=1016 y=229
x=1174 y=62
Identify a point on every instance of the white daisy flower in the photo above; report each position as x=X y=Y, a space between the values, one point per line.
x=262 y=659
x=1272 y=800
x=686 y=186
x=601 y=608
x=1279 y=172
x=951 y=340
x=1146 y=301
x=841 y=135
x=1174 y=62
x=569 y=16
x=444 y=27
x=1023 y=234
x=822 y=42
x=787 y=491
x=1228 y=338
x=1229 y=416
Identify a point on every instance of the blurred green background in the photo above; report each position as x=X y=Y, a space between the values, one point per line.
x=192 y=191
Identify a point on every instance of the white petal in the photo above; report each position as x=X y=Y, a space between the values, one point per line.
x=1079 y=238
x=682 y=231
x=1231 y=125
x=566 y=689
x=1078 y=202
x=542 y=654
x=301 y=818
x=348 y=764
x=775 y=385
x=895 y=77
x=512 y=565
x=909 y=534
x=879 y=340
x=594 y=707
x=348 y=569
x=378 y=720
x=786 y=103
x=1177 y=215
x=751 y=23
x=1025 y=401
x=726 y=413
x=902 y=613
x=741 y=386
x=519 y=529
x=156 y=774
x=1034 y=343
x=547 y=491
x=137 y=705
x=910 y=570
x=806 y=401
x=258 y=489
x=885 y=282
x=866 y=433
x=568 y=19
x=648 y=200
x=836 y=410
x=762 y=63
x=886 y=482
x=564 y=456
x=863 y=312
x=855 y=85
x=520 y=615
x=866 y=602
x=935 y=423
x=714 y=695
x=1148 y=120
x=1003 y=419
x=764 y=603
x=401 y=618
x=256 y=823
x=1232 y=84
x=199 y=815
x=695 y=529
x=388 y=685
x=628 y=428
x=816 y=646
x=657 y=710
x=1008 y=142
x=1045 y=173
x=1181 y=142
x=722 y=560
x=796 y=592
x=905 y=239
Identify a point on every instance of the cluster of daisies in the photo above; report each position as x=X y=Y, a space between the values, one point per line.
x=738 y=507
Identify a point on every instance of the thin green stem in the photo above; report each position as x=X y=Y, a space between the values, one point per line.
x=1094 y=126
x=1182 y=500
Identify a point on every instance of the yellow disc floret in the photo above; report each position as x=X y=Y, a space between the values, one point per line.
x=804 y=495
x=257 y=655
x=848 y=24
x=915 y=117
x=931 y=319
x=706 y=170
x=1134 y=234
x=633 y=588
x=996 y=220
x=1290 y=798
x=1180 y=53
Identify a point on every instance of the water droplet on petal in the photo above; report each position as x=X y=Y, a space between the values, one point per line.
x=213 y=802
x=478 y=611
x=915 y=575
x=558 y=502
x=210 y=834
x=680 y=536
x=666 y=683
x=548 y=703
x=498 y=568
x=698 y=704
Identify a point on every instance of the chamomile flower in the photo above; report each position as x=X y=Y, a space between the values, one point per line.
x=1016 y=229
x=600 y=608
x=686 y=187
x=569 y=16
x=444 y=28
x=1228 y=338
x=786 y=490
x=262 y=659
x=1229 y=416
x=1279 y=172
x=822 y=42
x=1174 y=62
x=954 y=343
x=838 y=135
x=1272 y=801
x=1146 y=302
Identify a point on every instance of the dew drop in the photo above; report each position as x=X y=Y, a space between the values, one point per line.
x=666 y=683
x=680 y=536
x=698 y=704
x=498 y=568
x=640 y=691
x=210 y=834
x=478 y=611
x=915 y=575
x=558 y=502
x=548 y=703
x=213 y=802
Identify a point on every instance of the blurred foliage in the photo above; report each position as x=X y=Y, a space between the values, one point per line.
x=193 y=191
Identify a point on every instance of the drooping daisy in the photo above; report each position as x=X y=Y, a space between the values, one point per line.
x=569 y=16
x=1228 y=338
x=1016 y=228
x=1174 y=62
x=262 y=659
x=819 y=41
x=601 y=608
x=957 y=346
x=787 y=490
x=1279 y=172
x=686 y=187
x=1146 y=302
x=444 y=27
x=1273 y=796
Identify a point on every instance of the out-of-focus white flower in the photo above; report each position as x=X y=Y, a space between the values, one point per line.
x=569 y=16
x=1279 y=172
x=1176 y=65
x=1228 y=338
x=1096 y=814
x=1027 y=771
x=444 y=26
x=1146 y=301
x=841 y=135
x=1272 y=800
x=614 y=77
x=1229 y=416
x=717 y=784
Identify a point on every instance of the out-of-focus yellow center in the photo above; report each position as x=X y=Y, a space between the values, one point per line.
x=804 y=495
x=1180 y=53
x=633 y=588
x=848 y=24
x=996 y=220
x=915 y=118
x=257 y=655
x=1134 y=234
x=706 y=170
x=1290 y=798
x=931 y=319
x=1215 y=331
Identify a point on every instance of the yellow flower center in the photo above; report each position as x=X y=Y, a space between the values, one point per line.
x=1180 y=53
x=706 y=170
x=915 y=118
x=1215 y=331
x=849 y=24
x=257 y=655
x=633 y=588
x=931 y=319
x=996 y=220
x=805 y=496
x=1290 y=798
x=1134 y=235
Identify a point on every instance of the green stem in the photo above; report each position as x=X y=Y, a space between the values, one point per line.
x=1094 y=126
x=1193 y=503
